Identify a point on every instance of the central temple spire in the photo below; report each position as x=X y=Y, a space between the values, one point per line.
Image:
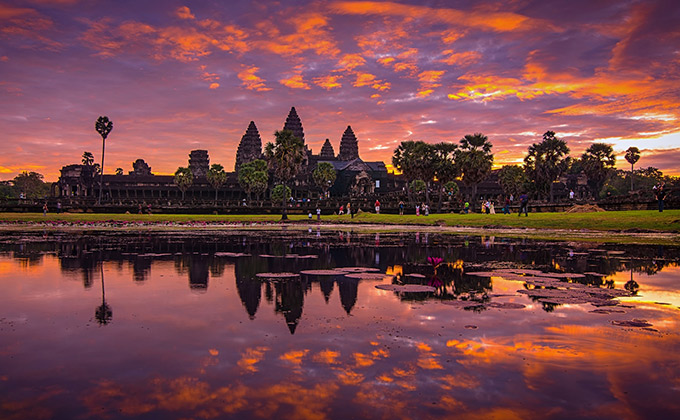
x=349 y=147
x=294 y=124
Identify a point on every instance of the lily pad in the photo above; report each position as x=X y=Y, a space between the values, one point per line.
x=357 y=269
x=406 y=288
x=506 y=305
x=365 y=276
x=639 y=323
x=278 y=276
x=231 y=254
x=322 y=272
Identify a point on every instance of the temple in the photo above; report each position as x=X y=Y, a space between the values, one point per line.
x=250 y=147
x=354 y=177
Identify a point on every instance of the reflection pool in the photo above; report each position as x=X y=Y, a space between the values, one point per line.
x=321 y=324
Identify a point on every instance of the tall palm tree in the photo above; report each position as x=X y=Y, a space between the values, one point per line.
x=216 y=177
x=103 y=127
x=446 y=167
x=475 y=159
x=414 y=159
x=546 y=161
x=632 y=156
x=598 y=161
x=184 y=179
x=285 y=157
x=88 y=158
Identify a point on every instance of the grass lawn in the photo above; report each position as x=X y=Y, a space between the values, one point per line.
x=641 y=220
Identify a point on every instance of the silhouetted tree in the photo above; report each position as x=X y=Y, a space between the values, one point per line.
x=285 y=157
x=103 y=127
x=598 y=163
x=632 y=156
x=475 y=159
x=88 y=158
x=512 y=179
x=446 y=167
x=31 y=184
x=253 y=177
x=324 y=176
x=216 y=177
x=546 y=162
x=119 y=171
x=183 y=179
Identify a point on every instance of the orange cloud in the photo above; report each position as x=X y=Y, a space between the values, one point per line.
x=311 y=34
x=295 y=82
x=251 y=81
x=351 y=61
x=328 y=357
x=183 y=12
x=460 y=59
x=489 y=20
x=327 y=82
x=251 y=357
x=294 y=356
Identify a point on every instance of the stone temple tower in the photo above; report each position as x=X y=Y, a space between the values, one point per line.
x=294 y=124
x=199 y=163
x=327 y=152
x=250 y=147
x=349 y=147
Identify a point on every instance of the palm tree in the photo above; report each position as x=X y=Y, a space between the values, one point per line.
x=119 y=171
x=414 y=159
x=183 y=179
x=285 y=157
x=252 y=176
x=103 y=127
x=546 y=162
x=475 y=159
x=88 y=158
x=632 y=156
x=446 y=167
x=324 y=176
x=216 y=177
x=598 y=162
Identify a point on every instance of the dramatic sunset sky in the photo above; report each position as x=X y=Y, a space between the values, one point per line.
x=181 y=75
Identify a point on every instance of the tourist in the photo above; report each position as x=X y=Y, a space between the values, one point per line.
x=58 y=207
x=487 y=206
x=401 y=208
x=417 y=209
x=318 y=213
x=45 y=209
x=466 y=207
x=139 y=209
x=492 y=208
x=342 y=209
x=506 y=207
x=349 y=210
x=309 y=216
x=524 y=205
x=377 y=207
x=571 y=195
x=660 y=195
x=427 y=209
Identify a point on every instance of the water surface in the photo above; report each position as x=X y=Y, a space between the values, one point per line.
x=150 y=325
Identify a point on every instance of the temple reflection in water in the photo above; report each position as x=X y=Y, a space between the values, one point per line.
x=180 y=325
x=200 y=257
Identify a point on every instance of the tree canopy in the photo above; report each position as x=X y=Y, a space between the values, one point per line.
x=598 y=162
x=285 y=157
x=324 y=176
x=475 y=159
x=216 y=177
x=545 y=162
x=253 y=177
x=183 y=179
